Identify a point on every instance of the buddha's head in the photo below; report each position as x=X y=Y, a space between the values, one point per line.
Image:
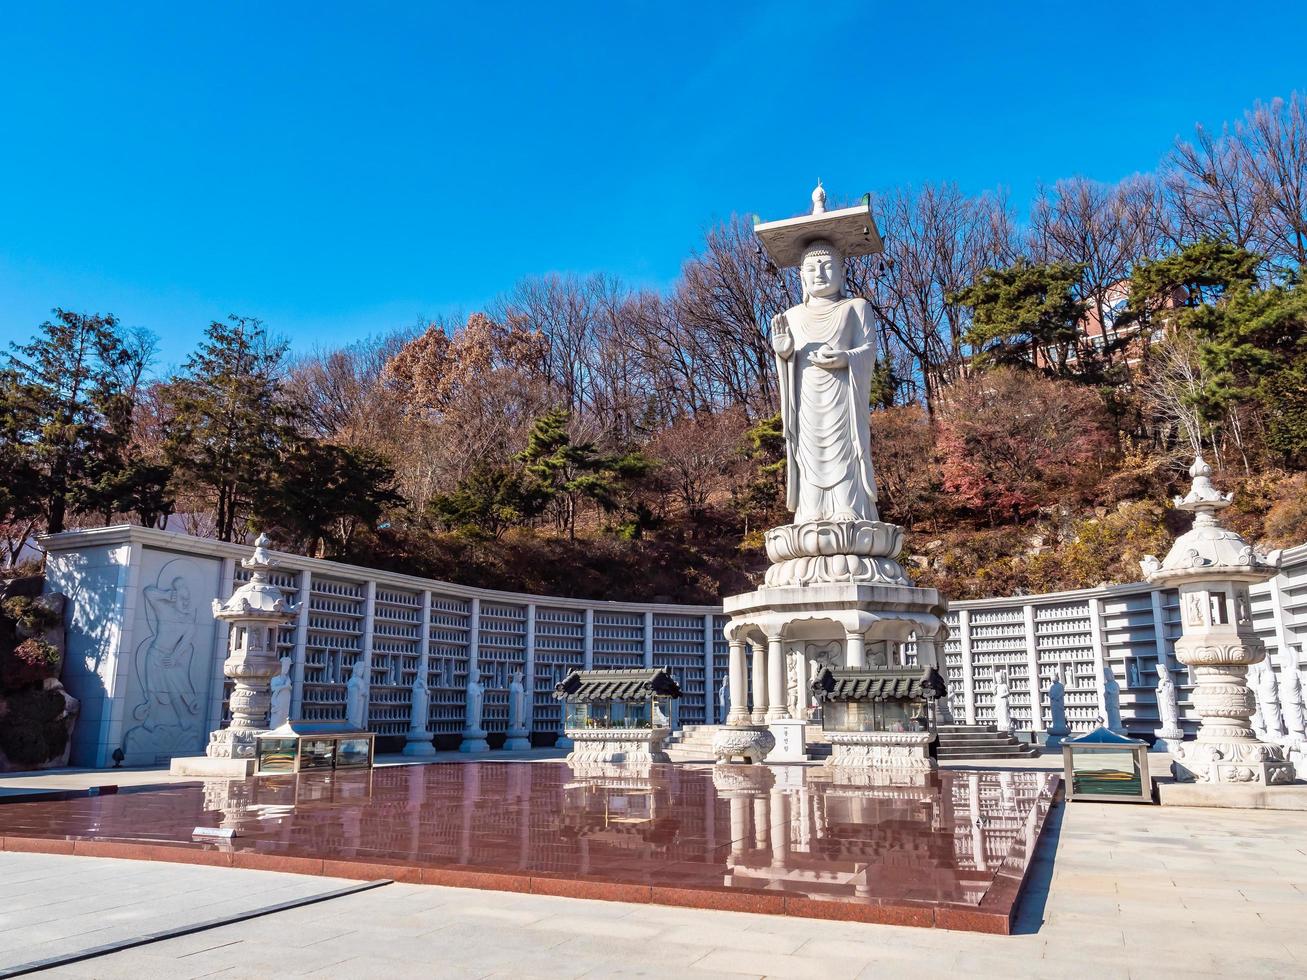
x=822 y=271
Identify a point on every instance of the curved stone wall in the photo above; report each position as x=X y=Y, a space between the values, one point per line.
x=145 y=655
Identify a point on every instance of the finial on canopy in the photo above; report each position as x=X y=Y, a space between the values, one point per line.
x=1202 y=496
x=819 y=198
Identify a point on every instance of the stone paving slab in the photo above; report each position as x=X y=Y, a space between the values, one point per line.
x=56 y=905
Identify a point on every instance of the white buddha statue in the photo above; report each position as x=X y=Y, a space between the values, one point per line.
x=826 y=352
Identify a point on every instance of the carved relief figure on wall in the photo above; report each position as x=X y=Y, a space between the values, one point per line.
x=1194 y=614
x=163 y=660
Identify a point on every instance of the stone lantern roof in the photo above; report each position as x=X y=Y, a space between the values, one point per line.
x=258 y=598
x=1208 y=550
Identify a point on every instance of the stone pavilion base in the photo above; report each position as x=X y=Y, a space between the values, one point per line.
x=882 y=750
x=209 y=768
x=634 y=746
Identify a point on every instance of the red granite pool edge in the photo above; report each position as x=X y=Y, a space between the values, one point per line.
x=922 y=915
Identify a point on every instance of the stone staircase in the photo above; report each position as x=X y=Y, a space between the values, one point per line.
x=981 y=742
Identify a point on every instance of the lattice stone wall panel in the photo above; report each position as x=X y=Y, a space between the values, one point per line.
x=560 y=649
x=502 y=650
x=396 y=632
x=447 y=658
x=998 y=640
x=334 y=641
x=678 y=645
x=618 y=640
x=1064 y=636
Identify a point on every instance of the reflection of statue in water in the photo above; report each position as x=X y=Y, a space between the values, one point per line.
x=163 y=661
x=826 y=352
x=279 y=712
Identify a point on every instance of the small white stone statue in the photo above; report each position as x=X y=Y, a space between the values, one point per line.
x=519 y=738
x=356 y=698
x=825 y=355
x=1111 y=701
x=1295 y=712
x=1168 y=709
x=1271 y=727
x=1002 y=701
x=724 y=698
x=1058 y=728
x=475 y=696
x=421 y=703
x=793 y=694
x=279 y=712
x=516 y=703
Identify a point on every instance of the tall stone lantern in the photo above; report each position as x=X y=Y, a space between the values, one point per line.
x=1213 y=567
x=254 y=614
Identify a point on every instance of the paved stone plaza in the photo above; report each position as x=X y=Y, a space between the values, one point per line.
x=1116 y=891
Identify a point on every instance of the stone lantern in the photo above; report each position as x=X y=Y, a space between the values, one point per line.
x=1213 y=567
x=254 y=614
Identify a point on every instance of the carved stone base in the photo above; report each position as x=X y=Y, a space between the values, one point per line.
x=1167 y=739
x=419 y=743
x=205 y=767
x=618 y=746
x=882 y=750
x=1240 y=762
x=474 y=740
x=823 y=569
x=232 y=743
x=823 y=552
x=518 y=741
x=749 y=744
x=813 y=538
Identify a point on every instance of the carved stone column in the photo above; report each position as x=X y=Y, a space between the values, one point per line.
x=739 y=713
x=759 y=702
x=855 y=650
x=777 y=709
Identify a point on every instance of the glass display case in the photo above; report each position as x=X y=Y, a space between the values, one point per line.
x=612 y=714
x=906 y=715
x=304 y=746
x=1106 y=767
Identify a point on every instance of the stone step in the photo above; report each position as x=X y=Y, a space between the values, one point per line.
x=1004 y=752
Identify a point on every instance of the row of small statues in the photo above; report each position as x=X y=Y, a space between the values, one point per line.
x=356 y=699
x=1111 y=715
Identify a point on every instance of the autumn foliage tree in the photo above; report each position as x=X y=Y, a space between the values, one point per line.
x=1012 y=441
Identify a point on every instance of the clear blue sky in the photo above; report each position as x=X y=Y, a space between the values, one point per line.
x=338 y=169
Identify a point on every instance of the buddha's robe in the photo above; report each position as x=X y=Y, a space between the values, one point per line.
x=826 y=413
